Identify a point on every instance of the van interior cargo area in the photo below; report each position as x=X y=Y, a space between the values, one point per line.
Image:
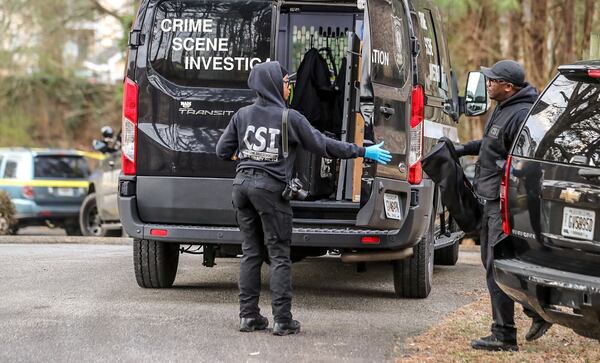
x=319 y=45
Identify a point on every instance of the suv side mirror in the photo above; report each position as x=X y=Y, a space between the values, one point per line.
x=476 y=101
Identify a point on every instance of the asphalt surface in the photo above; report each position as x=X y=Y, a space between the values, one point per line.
x=72 y=303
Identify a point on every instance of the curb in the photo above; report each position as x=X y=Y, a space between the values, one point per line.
x=66 y=240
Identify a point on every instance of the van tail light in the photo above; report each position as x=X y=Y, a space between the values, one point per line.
x=504 y=197
x=129 y=132
x=417 y=116
x=28 y=192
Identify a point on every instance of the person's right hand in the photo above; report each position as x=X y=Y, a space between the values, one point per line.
x=378 y=154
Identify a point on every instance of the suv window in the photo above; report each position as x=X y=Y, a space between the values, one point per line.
x=62 y=167
x=10 y=169
x=210 y=44
x=563 y=124
x=390 y=46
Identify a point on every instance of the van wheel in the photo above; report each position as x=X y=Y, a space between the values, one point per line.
x=413 y=276
x=447 y=256
x=155 y=263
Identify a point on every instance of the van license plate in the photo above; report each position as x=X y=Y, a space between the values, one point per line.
x=392 y=206
x=578 y=223
x=65 y=192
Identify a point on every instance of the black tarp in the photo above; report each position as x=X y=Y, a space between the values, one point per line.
x=443 y=167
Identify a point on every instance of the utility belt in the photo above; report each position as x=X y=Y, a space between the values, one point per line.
x=253 y=171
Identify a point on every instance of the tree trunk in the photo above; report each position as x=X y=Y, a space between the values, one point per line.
x=590 y=7
x=566 y=54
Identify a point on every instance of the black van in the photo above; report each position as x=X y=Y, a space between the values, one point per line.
x=550 y=204
x=390 y=79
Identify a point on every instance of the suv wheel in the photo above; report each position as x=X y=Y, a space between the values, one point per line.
x=413 y=276
x=89 y=219
x=155 y=263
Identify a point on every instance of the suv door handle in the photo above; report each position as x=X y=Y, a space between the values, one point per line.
x=388 y=111
x=589 y=174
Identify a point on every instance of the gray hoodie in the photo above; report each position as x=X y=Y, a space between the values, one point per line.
x=254 y=132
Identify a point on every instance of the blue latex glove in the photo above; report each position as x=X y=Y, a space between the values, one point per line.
x=378 y=154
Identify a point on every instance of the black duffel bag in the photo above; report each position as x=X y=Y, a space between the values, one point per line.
x=443 y=167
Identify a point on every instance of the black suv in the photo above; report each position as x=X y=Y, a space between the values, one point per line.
x=187 y=69
x=550 y=201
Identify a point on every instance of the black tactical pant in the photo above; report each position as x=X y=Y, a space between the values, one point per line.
x=265 y=219
x=503 y=307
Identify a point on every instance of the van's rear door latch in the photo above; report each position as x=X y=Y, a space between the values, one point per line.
x=136 y=38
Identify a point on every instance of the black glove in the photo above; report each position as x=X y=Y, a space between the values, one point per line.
x=460 y=150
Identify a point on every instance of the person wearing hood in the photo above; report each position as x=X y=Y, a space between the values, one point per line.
x=254 y=137
x=506 y=85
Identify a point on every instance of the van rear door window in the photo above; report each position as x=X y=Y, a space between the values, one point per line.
x=390 y=47
x=210 y=43
x=563 y=124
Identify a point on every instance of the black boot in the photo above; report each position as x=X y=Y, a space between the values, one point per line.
x=292 y=327
x=538 y=328
x=251 y=324
x=492 y=343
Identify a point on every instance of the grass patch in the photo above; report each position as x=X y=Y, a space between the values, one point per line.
x=450 y=340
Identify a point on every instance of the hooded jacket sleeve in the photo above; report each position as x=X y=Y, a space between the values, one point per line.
x=228 y=143
x=472 y=147
x=513 y=127
x=313 y=140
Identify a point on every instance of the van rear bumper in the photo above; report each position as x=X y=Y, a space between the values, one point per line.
x=331 y=237
x=560 y=297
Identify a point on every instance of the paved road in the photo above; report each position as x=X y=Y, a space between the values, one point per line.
x=81 y=303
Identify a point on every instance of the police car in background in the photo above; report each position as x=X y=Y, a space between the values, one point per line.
x=550 y=202
x=46 y=186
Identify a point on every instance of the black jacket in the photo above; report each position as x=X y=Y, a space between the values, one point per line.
x=443 y=167
x=254 y=132
x=499 y=134
x=314 y=96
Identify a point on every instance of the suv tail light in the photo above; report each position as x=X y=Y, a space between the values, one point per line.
x=504 y=197
x=28 y=192
x=417 y=116
x=129 y=133
x=594 y=73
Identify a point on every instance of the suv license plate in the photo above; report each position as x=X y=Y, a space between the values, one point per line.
x=65 y=192
x=578 y=223
x=392 y=206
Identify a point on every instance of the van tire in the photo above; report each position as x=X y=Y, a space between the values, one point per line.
x=447 y=256
x=155 y=263
x=413 y=276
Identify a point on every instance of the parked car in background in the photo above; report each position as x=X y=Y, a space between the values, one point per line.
x=550 y=203
x=99 y=213
x=46 y=186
